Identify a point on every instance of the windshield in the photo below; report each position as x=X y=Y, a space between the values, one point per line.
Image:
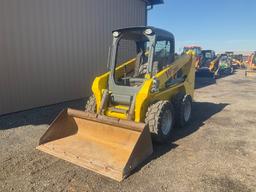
x=132 y=51
x=208 y=55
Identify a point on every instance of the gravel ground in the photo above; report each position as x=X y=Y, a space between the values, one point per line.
x=216 y=152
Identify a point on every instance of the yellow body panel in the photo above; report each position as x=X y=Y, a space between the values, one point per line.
x=98 y=87
x=144 y=97
x=197 y=62
x=122 y=107
x=100 y=83
x=213 y=63
x=110 y=113
x=116 y=114
x=142 y=100
x=241 y=64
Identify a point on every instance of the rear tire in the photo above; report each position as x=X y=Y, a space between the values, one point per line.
x=160 y=119
x=183 y=109
x=91 y=104
x=231 y=70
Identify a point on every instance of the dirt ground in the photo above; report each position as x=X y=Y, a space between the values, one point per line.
x=216 y=152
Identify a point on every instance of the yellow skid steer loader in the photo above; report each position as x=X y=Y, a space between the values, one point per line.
x=138 y=99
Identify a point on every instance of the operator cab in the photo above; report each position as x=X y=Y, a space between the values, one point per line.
x=207 y=57
x=238 y=57
x=224 y=60
x=143 y=51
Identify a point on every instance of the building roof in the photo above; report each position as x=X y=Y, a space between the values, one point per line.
x=154 y=2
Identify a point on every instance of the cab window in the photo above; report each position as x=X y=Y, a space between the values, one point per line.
x=208 y=55
x=163 y=54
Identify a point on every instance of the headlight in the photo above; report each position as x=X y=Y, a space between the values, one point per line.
x=115 y=33
x=155 y=85
x=148 y=31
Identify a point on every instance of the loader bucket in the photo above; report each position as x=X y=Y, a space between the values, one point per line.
x=109 y=146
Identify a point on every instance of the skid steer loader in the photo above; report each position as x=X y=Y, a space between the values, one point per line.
x=138 y=99
x=207 y=66
x=224 y=66
x=238 y=61
x=198 y=53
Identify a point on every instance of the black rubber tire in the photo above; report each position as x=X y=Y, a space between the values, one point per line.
x=179 y=106
x=231 y=70
x=91 y=104
x=154 y=117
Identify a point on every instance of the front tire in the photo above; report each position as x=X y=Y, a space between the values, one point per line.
x=160 y=119
x=91 y=104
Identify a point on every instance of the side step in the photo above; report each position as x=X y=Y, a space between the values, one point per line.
x=118 y=110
